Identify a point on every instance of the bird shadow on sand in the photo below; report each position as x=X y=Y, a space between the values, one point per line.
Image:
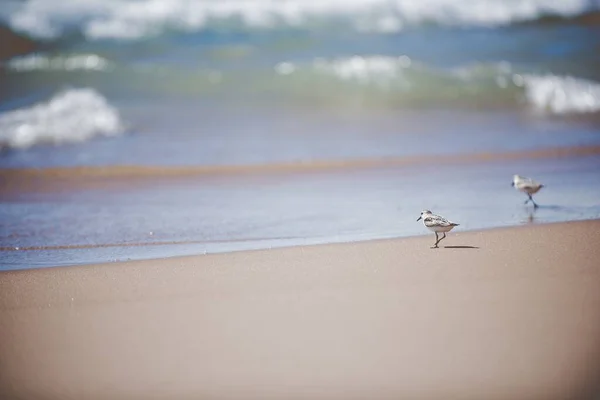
x=461 y=247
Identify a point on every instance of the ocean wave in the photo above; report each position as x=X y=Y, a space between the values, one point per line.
x=365 y=82
x=72 y=62
x=134 y=19
x=562 y=94
x=74 y=115
x=402 y=81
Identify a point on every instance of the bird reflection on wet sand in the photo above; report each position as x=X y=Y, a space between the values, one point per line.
x=530 y=218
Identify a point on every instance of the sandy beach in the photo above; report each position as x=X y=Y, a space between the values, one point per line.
x=218 y=200
x=506 y=313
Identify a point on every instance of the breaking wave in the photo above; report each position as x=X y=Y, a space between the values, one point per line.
x=75 y=115
x=73 y=62
x=131 y=19
x=562 y=94
x=356 y=81
x=402 y=81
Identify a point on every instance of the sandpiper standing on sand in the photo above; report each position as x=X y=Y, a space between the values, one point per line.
x=436 y=224
x=527 y=186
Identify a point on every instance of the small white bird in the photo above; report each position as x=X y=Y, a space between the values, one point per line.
x=436 y=224
x=527 y=186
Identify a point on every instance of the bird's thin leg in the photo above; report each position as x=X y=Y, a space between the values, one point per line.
x=443 y=237
x=534 y=203
x=435 y=246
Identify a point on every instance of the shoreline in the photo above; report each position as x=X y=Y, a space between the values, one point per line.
x=499 y=313
x=255 y=245
x=70 y=219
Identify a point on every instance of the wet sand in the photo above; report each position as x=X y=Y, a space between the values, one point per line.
x=18 y=181
x=499 y=314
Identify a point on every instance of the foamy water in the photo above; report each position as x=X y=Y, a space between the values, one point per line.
x=71 y=62
x=405 y=77
x=126 y=19
x=75 y=115
x=562 y=94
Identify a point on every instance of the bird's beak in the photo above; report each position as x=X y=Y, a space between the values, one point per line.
x=418 y=219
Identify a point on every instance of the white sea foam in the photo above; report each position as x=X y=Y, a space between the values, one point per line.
x=562 y=94
x=360 y=68
x=74 y=115
x=128 y=19
x=72 y=62
x=375 y=70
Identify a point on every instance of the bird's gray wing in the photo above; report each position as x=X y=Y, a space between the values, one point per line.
x=436 y=220
x=530 y=183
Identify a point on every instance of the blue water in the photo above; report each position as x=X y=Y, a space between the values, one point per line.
x=180 y=83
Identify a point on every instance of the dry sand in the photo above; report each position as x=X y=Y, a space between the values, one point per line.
x=515 y=317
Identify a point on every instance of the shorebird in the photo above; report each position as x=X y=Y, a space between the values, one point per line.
x=436 y=224
x=527 y=186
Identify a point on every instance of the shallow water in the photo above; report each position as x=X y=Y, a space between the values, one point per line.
x=196 y=216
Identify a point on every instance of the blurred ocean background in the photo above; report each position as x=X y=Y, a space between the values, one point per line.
x=235 y=84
